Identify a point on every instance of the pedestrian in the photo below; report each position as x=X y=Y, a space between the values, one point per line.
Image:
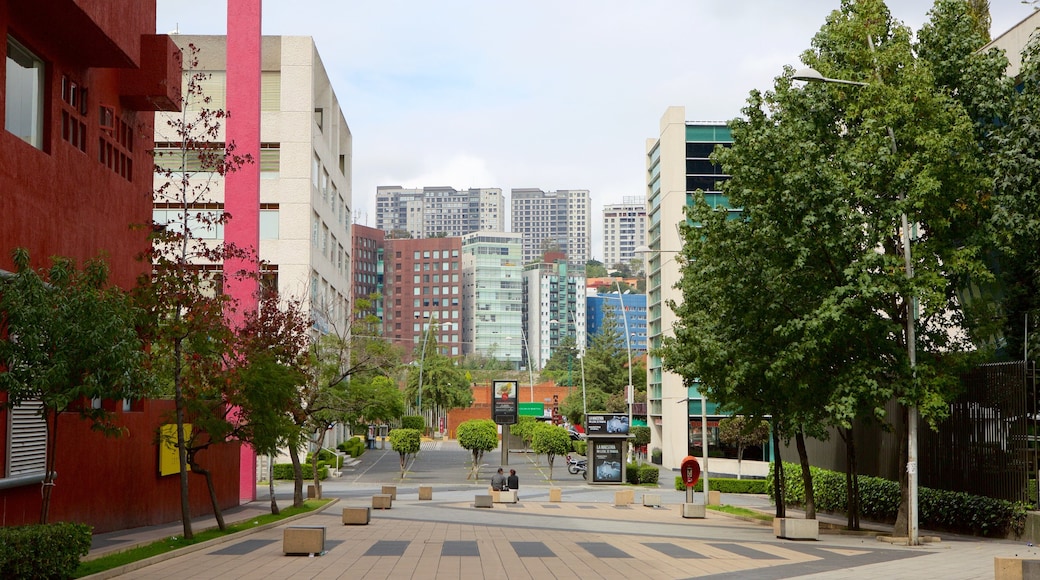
x=498 y=481
x=513 y=481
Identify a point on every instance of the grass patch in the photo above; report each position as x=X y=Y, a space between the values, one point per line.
x=742 y=512
x=117 y=559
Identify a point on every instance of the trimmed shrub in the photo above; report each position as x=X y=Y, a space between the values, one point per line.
x=632 y=474
x=648 y=473
x=879 y=501
x=726 y=485
x=416 y=422
x=284 y=471
x=656 y=456
x=580 y=447
x=43 y=550
x=353 y=447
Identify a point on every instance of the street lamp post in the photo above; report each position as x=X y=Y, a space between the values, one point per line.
x=530 y=369
x=422 y=360
x=812 y=75
x=630 y=390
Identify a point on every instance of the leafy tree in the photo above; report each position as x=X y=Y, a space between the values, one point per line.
x=606 y=359
x=186 y=327
x=805 y=319
x=405 y=442
x=742 y=433
x=70 y=339
x=524 y=429
x=595 y=269
x=562 y=366
x=551 y=440
x=444 y=384
x=478 y=436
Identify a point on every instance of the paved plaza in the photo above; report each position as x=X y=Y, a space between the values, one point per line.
x=583 y=536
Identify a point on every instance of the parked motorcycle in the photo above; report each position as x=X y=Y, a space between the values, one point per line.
x=576 y=465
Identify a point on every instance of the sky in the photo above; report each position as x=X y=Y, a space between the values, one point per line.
x=551 y=94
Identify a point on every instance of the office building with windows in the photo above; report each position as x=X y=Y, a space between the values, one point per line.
x=677 y=166
x=305 y=155
x=629 y=312
x=492 y=296
x=438 y=211
x=554 y=307
x=422 y=292
x=367 y=270
x=624 y=229
x=553 y=221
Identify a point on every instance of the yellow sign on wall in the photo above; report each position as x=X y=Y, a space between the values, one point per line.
x=168 y=462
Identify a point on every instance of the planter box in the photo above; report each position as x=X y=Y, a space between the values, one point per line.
x=555 y=494
x=714 y=497
x=390 y=490
x=508 y=496
x=694 y=510
x=796 y=529
x=382 y=501
x=303 y=540
x=652 y=499
x=425 y=492
x=483 y=501
x=357 y=516
x=624 y=497
x=312 y=492
x=1016 y=569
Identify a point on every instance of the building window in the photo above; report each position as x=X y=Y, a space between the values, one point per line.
x=24 y=113
x=269 y=224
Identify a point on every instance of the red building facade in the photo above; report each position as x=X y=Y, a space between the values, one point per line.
x=423 y=286
x=82 y=81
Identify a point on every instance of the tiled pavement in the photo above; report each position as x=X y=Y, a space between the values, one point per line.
x=449 y=538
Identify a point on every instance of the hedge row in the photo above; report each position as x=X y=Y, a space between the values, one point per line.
x=725 y=485
x=879 y=501
x=43 y=551
x=641 y=473
x=353 y=447
x=285 y=471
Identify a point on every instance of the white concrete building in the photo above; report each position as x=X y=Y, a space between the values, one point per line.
x=677 y=165
x=305 y=165
x=554 y=307
x=624 y=229
x=562 y=218
x=439 y=211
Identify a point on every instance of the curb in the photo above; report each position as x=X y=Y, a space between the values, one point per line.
x=120 y=570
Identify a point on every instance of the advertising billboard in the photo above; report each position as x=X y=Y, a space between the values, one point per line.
x=504 y=404
x=606 y=461
x=606 y=425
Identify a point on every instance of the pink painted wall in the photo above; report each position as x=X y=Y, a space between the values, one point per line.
x=242 y=187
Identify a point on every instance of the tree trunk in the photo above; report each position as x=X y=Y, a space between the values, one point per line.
x=851 y=479
x=778 y=475
x=314 y=474
x=803 y=459
x=902 y=525
x=217 y=513
x=182 y=445
x=270 y=484
x=294 y=455
x=51 y=421
x=740 y=455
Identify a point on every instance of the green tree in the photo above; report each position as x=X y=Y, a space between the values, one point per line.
x=742 y=433
x=524 y=429
x=70 y=339
x=478 y=436
x=444 y=383
x=405 y=442
x=550 y=440
x=562 y=366
x=805 y=319
x=595 y=269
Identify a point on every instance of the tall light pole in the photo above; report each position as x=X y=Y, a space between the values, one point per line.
x=530 y=370
x=630 y=390
x=812 y=75
x=422 y=358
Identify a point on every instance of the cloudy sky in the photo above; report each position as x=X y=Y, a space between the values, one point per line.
x=551 y=94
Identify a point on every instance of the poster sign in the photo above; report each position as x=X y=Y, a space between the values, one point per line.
x=504 y=404
x=606 y=461
x=607 y=425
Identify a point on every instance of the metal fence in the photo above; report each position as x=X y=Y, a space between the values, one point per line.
x=983 y=447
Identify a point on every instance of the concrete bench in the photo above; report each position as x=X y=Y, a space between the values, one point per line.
x=624 y=497
x=356 y=516
x=507 y=496
x=312 y=492
x=652 y=499
x=555 y=494
x=483 y=501
x=425 y=492
x=1016 y=569
x=694 y=510
x=390 y=490
x=382 y=501
x=303 y=540
x=714 y=497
